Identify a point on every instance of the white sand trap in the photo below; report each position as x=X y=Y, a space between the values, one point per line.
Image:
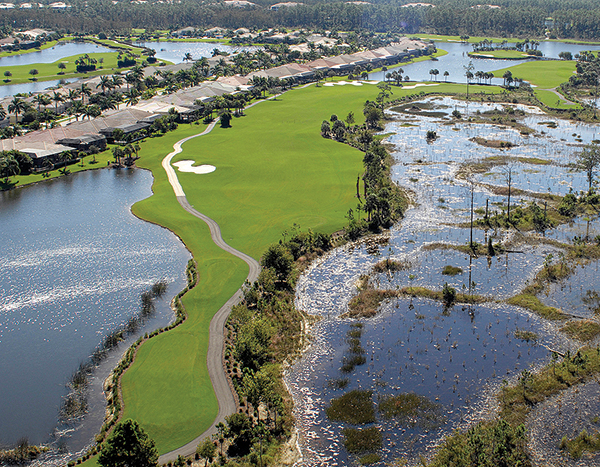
x=328 y=84
x=419 y=85
x=186 y=166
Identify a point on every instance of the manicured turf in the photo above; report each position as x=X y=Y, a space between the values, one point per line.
x=553 y=101
x=47 y=71
x=545 y=74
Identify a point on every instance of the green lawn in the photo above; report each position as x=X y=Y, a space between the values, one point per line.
x=102 y=160
x=549 y=99
x=545 y=74
x=471 y=40
x=501 y=54
x=48 y=71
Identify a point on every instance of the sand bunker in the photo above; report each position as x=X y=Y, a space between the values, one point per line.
x=419 y=85
x=186 y=166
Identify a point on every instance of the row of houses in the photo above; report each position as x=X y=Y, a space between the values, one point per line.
x=347 y=63
x=46 y=145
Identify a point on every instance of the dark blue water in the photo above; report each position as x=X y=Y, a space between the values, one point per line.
x=74 y=263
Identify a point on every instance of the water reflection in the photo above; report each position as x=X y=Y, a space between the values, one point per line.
x=75 y=261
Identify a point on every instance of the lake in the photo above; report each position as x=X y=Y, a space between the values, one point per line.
x=74 y=263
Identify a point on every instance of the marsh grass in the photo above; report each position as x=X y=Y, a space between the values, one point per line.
x=362 y=440
x=583 y=442
x=582 y=330
x=369 y=459
x=451 y=270
x=439 y=295
x=367 y=302
x=355 y=407
x=410 y=410
x=391 y=265
x=527 y=336
x=517 y=400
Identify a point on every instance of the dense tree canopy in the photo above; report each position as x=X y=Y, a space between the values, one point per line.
x=128 y=446
x=570 y=19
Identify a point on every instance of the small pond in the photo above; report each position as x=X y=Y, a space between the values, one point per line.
x=53 y=54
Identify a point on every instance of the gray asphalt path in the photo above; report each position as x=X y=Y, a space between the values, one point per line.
x=214 y=358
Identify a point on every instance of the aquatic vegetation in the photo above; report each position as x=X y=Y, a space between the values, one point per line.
x=583 y=330
x=583 y=442
x=492 y=143
x=369 y=459
x=391 y=265
x=451 y=270
x=410 y=409
x=487 y=444
x=361 y=440
x=527 y=336
x=355 y=407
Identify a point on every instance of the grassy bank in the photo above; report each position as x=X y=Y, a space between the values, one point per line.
x=49 y=71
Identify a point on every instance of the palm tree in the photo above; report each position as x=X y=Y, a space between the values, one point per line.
x=46 y=116
x=57 y=97
x=2 y=113
x=73 y=95
x=446 y=74
x=77 y=109
x=104 y=84
x=187 y=57
x=8 y=167
x=17 y=106
x=117 y=81
x=7 y=75
x=33 y=72
x=84 y=90
x=41 y=99
x=132 y=97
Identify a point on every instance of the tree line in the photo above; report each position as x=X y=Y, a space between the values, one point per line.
x=515 y=18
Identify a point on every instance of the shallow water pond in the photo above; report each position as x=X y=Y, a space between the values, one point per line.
x=454 y=357
x=459 y=358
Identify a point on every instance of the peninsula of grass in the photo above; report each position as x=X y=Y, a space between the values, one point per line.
x=49 y=71
x=100 y=161
x=545 y=74
x=553 y=101
x=501 y=55
x=274 y=170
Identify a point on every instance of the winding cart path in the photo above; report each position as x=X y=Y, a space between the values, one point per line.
x=214 y=358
